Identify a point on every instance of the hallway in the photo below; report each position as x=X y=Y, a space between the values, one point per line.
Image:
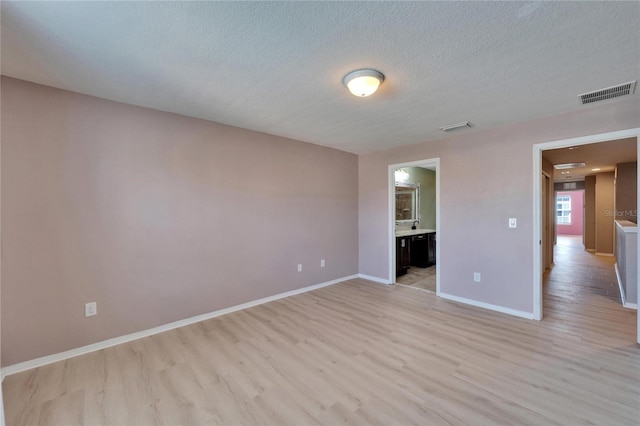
x=582 y=290
x=578 y=275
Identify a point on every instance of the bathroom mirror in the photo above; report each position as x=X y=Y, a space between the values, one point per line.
x=407 y=203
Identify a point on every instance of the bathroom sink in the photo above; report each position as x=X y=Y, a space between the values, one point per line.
x=410 y=232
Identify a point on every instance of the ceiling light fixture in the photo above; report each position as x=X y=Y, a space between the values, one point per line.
x=597 y=169
x=568 y=166
x=362 y=83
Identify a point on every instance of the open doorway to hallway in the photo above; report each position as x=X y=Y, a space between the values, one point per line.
x=578 y=272
x=579 y=276
x=413 y=226
x=587 y=264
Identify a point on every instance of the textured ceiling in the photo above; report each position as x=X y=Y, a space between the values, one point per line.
x=277 y=67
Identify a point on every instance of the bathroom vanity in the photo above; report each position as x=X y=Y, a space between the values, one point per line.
x=415 y=247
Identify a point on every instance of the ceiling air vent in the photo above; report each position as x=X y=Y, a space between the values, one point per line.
x=451 y=127
x=608 y=93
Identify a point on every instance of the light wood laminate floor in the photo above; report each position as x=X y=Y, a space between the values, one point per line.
x=357 y=353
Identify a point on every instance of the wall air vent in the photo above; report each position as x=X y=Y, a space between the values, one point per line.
x=608 y=93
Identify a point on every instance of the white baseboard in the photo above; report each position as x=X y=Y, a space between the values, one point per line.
x=374 y=279
x=623 y=296
x=1 y=408
x=49 y=359
x=502 y=309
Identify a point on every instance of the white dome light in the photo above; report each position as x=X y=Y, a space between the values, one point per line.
x=363 y=83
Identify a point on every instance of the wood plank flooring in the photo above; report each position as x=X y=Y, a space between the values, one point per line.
x=578 y=274
x=357 y=353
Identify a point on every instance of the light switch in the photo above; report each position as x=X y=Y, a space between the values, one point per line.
x=513 y=222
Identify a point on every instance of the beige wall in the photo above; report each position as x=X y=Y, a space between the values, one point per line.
x=590 y=213
x=485 y=178
x=157 y=217
x=2 y=421
x=626 y=191
x=549 y=235
x=605 y=226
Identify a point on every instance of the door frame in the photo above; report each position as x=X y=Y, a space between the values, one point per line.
x=547 y=254
x=432 y=164
x=537 y=208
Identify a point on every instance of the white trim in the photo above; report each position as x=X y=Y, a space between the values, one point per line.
x=431 y=162
x=374 y=279
x=2 y=423
x=49 y=359
x=413 y=287
x=501 y=309
x=623 y=295
x=537 y=191
x=638 y=239
x=537 y=233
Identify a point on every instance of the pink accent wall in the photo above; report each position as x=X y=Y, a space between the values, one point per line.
x=485 y=178
x=155 y=216
x=577 y=214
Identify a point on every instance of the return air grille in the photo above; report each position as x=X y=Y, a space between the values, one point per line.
x=451 y=127
x=608 y=93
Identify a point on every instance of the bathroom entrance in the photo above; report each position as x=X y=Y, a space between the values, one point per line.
x=414 y=223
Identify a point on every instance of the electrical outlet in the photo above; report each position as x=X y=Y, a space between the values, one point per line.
x=513 y=222
x=90 y=309
x=476 y=277
x=299 y=267
x=322 y=263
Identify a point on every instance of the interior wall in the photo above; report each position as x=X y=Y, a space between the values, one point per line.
x=485 y=178
x=590 y=213
x=605 y=207
x=2 y=421
x=577 y=213
x=549 y=235
x=627 y=191
x=155 y=216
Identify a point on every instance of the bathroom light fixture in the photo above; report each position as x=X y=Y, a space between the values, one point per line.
x=401 y=175
x=363 y=82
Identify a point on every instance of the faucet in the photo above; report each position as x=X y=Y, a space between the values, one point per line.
x=413 y=225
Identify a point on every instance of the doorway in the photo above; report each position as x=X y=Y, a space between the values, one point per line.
x=539 y=231
x=426 y=266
